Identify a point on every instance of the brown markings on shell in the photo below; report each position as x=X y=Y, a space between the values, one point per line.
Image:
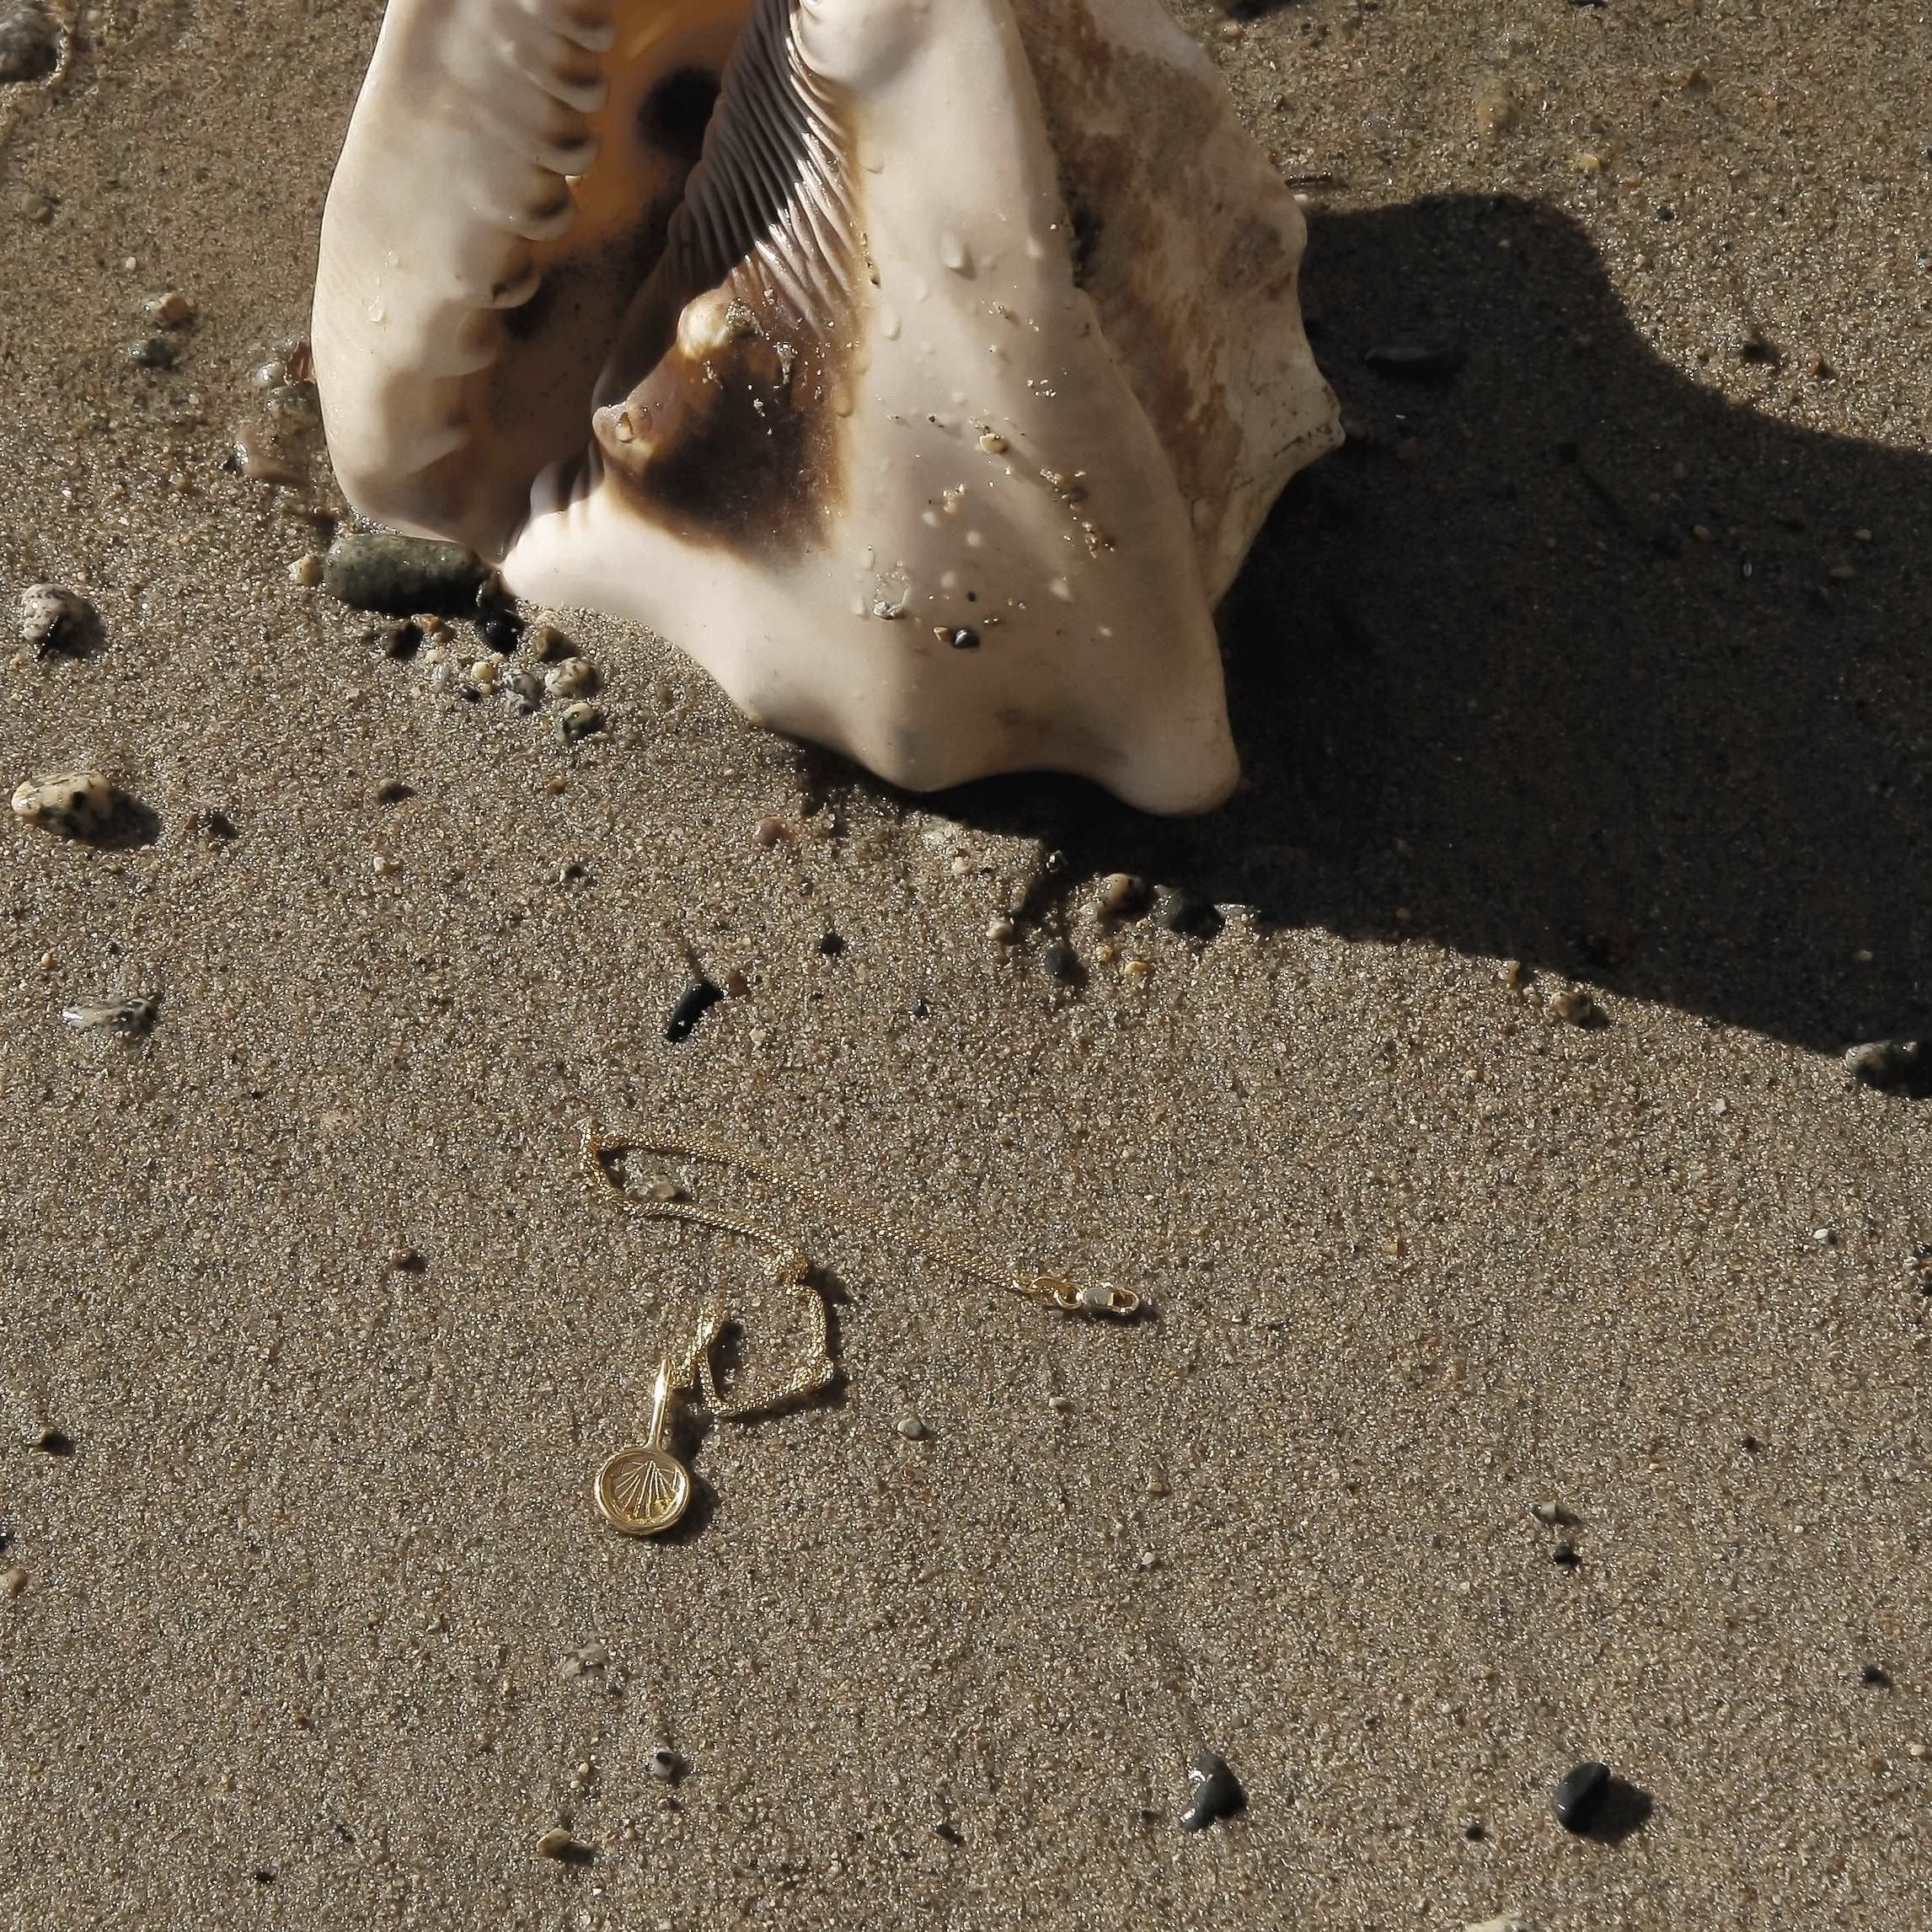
x=1160 y=128
x=739 y=446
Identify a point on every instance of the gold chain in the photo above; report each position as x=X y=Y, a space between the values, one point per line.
x=643 y=1490
x=1055 y=1290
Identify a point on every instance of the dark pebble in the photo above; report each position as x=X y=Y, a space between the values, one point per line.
x=1890 y=1065
x=1217 y=1793
x=399 y=576
x=831 y=946
x=1475 y=1831
x=1875 y=1675
x=698 y=998
x=966 y=638
x=499 y=623
x=29 y=42
x=52 y=1442
x=1579 y=1794
x=1434 y=359
x=1564 y=1554
x=1182 y=912
x=1058 y=962
x=154 y=351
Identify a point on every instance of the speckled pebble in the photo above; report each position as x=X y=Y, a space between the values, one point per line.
x=664 y=1765
x=1577 y=1006
x=575 y=678
x=76 y=804
x=523 y=688
x=30 y=42
x=578 y=720
x=54 y=620
x=128 y=1015
x=400 y=576
x=1121 y=895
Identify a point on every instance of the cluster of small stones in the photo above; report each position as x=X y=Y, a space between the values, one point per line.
x=420 y=588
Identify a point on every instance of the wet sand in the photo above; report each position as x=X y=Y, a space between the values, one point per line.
x=1607 y=658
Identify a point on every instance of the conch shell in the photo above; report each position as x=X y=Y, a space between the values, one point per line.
x=923 y=368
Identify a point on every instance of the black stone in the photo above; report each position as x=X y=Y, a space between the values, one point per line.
x=698 y=998
x=1892 y=1066
x=1058 y=961
x=1565 y=1554
x=831 y=946
x=1876 y=1675
x=53 y=1443
x=499 y=623
x=1579 y=1794
x=399 y=576
x=1217 y=1792
x=153 y=352
x=966 y=638
x=1430 y=359
x=1182 y=912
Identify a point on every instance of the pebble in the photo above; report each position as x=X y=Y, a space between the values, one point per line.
x=693 y=1003
x=171 y=309
x=485 y=675
x=1564 y=1556
x=1000 y=931
x=1058 y=962
x=50 y=1441
x=406 y=1261
x=1575 y=1005
x=1121 y=895
x=1432 y=359
x=498 y=621
x=549 y=645
x=307 y=569
x=557 y=1844
x=575 y=678
x=34 y=205
x=30 y=42
x=156 y=351
x=1887 y=1064
x=13 y=1582
x=76 y=804
x=664 y=1764
x=127 y=1015
x=737 y=985
x=1217 y=1792
x=523 y=688
x=1579 y=1794
x=400 y=576
x=260 y=460
x=55 y=620
x=1182 y=912
x=578 y=720
x=768 y=833
x=1552 y=1512
x=912 y=1428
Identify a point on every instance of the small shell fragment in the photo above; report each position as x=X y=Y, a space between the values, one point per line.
x=128 y=1015
x=76 y=804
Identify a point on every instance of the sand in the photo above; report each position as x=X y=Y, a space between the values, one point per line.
x=1608 y=657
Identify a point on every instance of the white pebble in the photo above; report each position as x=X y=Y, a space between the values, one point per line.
x=485 y=674
x=912 y=1428
x=12 y=1583
x=307 y=570
x=664 y=1763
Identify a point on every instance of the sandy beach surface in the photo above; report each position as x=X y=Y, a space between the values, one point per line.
x=1485 y=1143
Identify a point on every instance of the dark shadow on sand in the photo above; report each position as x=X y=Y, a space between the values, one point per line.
x=1483 y=670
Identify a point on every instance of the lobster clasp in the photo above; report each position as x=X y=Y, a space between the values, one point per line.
x=1091 y=1299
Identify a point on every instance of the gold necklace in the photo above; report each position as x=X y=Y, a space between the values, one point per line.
x=644 y=1490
